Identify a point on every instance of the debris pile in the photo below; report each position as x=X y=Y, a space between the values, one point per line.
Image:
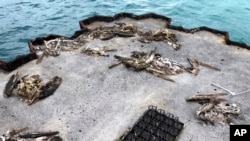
x=97 y=51
x=30 y=88
x=55 y=46
x=16 y=135
x=158 y=65
x=129 y=30
x=214 y=109
x=161 y=35
x=106 y=33
x=155 y=124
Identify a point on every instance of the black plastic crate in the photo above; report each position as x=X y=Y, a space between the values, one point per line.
x=155 y=125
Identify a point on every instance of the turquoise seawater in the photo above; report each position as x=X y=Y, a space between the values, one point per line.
x=22 y=20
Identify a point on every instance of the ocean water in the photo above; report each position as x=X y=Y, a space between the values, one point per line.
x=22 y=20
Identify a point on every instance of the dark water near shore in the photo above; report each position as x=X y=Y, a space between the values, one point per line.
x=22 y=20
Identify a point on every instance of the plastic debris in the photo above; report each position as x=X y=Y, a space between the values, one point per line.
x=155 y=125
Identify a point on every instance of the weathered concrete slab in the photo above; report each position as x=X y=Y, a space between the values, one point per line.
x=95 y=103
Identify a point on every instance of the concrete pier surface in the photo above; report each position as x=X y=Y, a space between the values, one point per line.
x=95 y=103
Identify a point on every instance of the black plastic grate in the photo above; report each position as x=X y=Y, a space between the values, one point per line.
x=155 y=125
